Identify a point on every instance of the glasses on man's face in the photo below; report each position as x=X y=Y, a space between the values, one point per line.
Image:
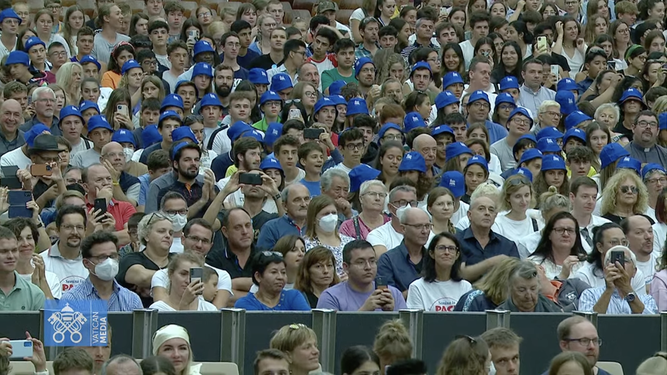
x=102 y=258
x=177 y=212
x=58 y=54
x=585 y=341
x=617 y=242
x=420 y=227
x=647 y=124
x=404 y=203
x=204 y=14
x=354 y=146
x=519 y=121
x=376 y=194
x=629 y=189
x=195 y=239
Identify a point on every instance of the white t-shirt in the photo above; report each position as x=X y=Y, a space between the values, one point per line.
x=552 y=269
x=83 y=145
x=15 y=157
x=468 y=51
x=358 y=15
x=515 y=230
x=460 y=214
x=161 y=279
x=300 y=175
x=203 y=306
x=176 y=245
x=648 y=267
x=575 y=62
x=236 y=199
x=221 y=143
x=438 y=296
x=85 y=159
x=585 y=273
x=385 y=235
x=52 y=280
x=70 y=272
x=528 y=244
x=343 y=167
x=660 y=234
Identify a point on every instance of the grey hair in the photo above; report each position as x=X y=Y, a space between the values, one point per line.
x=143 y=228
x=120 y=358
x=370 y=183
x=624 y=249
x=284 y=195
x=546 y=104
x=401 y=188
x=39 y=90
x=604 y=106
x=327 y=178
x=403 y=212
x=525 y=269
x=488 y=190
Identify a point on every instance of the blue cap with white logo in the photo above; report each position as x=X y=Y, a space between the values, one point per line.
x=413 y=120
x=628 y=162
x=413 y=161
x=444 y=99
x=455 y=149
x=548 y=145
x=576 y=133
x=450 y=79
x=280 y=82
x=123 y=136
x=258 y=76
x=455 y=182
x=553 y=162
x=509 y=82
x=611 y=153
x=270 y=163
x=360 y=174
x=356 y=106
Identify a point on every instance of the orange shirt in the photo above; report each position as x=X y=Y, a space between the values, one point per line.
x=110 y=79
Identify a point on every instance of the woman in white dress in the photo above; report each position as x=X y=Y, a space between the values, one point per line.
x=184 y=293
x=442 y=286
x=516 y=198
x=560 y=251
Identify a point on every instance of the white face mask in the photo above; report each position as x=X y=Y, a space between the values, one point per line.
x=107 y=270
x=178 y=221
x=128 y=154
x=328 y=223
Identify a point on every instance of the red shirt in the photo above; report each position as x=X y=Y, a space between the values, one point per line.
x=121 y=212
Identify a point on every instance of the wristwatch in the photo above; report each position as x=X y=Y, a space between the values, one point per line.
x=276 y=197
x=630 y=297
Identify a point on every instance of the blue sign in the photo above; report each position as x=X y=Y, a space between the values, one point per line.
x=75 y=323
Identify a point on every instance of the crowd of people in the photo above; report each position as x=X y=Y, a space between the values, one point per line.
x=443 y=155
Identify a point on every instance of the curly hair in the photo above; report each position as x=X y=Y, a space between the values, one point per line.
x=384 y=66
x=392 y=343
x=611 y=191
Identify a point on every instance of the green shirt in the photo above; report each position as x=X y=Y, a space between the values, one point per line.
x=25 y=296
x=332 y=75
x=262 y=124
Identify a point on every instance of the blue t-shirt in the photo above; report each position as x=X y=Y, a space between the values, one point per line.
x=313 y=187
x=290 y=300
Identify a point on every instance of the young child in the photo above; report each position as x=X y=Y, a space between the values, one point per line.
x=311 y=158
x=210 y=280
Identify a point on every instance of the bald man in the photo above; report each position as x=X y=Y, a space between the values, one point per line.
x=402 y=265
x=428 y=147
x=11 y=117
x=122 y=365
x=296 y=199
x=125 y=186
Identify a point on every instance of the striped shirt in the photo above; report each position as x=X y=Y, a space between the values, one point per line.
x=122 y=299
x=617 y=305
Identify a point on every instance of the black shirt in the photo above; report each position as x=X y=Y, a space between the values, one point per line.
x=264 y=62
x=257 y=221
x=220 y=257
x=620 y=129
x=126 y=263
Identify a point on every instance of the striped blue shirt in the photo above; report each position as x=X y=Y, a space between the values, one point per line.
x=122 y=299
x=617 y=305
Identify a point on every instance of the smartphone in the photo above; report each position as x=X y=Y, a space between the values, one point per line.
x=19 y=197
x=11 y=183
x=38 y=170
x=541 y=43
x=196 y=274
x=555 y=71
x=10 y=171
x=101 y=205
x=380 y=283
x=312 y=133
x=19 y=211
x=250 y=179
x=21 y=349
x=618 y=256
x=122 y=108
x=294 y=114
x=444 y=11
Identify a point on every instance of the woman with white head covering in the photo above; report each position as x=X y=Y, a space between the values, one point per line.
x=173 y=342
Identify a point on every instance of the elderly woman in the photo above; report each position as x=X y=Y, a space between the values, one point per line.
x=625 y=195
x=316 y=273
x=183 y=291
x=173 y=342
x=655 y=179
x=560 y=251
x=524 y=291
x=136 y=270
x=372 y=195
x=490 y=291
x=299 y=343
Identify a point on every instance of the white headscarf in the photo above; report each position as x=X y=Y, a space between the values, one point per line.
x=173 y=331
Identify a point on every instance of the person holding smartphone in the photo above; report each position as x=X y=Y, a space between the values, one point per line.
x=184 y=290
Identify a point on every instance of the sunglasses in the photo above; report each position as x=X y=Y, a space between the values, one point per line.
x=631 y=189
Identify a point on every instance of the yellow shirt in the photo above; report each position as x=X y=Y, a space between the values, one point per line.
x=591 y=172
x=231 y=170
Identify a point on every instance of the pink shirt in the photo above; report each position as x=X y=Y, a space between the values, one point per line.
x=347 y=227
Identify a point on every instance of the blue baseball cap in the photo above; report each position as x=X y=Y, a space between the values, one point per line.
x=548 y=145
x=549 y=132
x=258 y=76
x=202 y=69
x=123 y=136
x=168 y=114
x=86 y=105
x=90 y=59
x=421 y=65
x=172 y=100
x=323 y=102
x=280 y=82
x=150 y=136
x=70 y=110
x=662 y=119
x=575 y=118
x=211 y=99
x=360 y=174
x=509 y=82
x=610 y=153
x=567 y=102
x=412 y=161
x=273 y=132
x=98 y=122
x=202 y=46
x=525 y=172
x=632 y=94
x=270 y=162
x=10 y=13
x=17 y=57
x=652 y=167
x=478 y=95
x=530 y=154
x=387 y=126
x=442 y=129
x=31 y=42
x=183 y=132
x=520 y=111
x=455 y=182
x=450 y=79
x=553 y=162
x=566 y=84
x=504 y=98
x=334 y=88
x=444 y=99
x=527 y=136
x=238 y=128
x=130 y=64
x=360 y=64
x=34 y=131
x=254 y=133
x=478 y=160
x=455 y=149
x=413 y=120
x=268 y=96
x=628 y=162
x=338 y=100
x=576 y=133
x=356 y=106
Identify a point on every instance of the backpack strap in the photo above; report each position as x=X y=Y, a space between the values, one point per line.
x=535 y=227
x=357 y=228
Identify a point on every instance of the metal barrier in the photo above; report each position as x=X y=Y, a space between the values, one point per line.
x=234 y=335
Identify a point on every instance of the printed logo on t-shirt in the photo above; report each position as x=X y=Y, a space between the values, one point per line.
x=445 y=304
x=70 y=282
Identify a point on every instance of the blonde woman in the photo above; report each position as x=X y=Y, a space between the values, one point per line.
x=624 y=195
x=392 y=343
x=393 y=67
x=173 y=343
x=517 y=197
x=491 y=290
x=299 y=343
x=69 y=77
x=183 y=292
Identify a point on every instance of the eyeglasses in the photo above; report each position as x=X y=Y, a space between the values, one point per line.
x=47 y=100
x=312 y=94
x=616 y=242
x=446 y=249
x=102 y=258
x=272 y=254
x=354 y=146
x=422 y=227
x=629 y=189
x=661 y=180
x=195 y=239
x=176 y=212
x=403 y=203
x=375 y=194
x=205 y=14
x=562 y=231
x=586 y=341
x=647 y=124
x=480 y=105
x=506 y=107
x=521 y=180
x=58 y=54
x=553 y=114
x=520 y=121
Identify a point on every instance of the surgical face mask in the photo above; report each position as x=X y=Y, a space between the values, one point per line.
x=128 y=154
x=178 y=221
x=107 y=270
x=328 y=223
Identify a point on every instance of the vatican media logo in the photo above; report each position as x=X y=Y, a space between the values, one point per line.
x=76 y=323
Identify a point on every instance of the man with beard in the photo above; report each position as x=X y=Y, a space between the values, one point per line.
x=583 y=195
x=368 y=28
x=294 y=51
x=64 y=257
x=224 y=81
x=364 y=70
x=11 y=137
x=296 y=198
x=576 y=334
x=639 y=232
x=185 y=160
x=644 y=137
x=518 y=124
x=125 y=186
x=278 y=37
x=44 y=100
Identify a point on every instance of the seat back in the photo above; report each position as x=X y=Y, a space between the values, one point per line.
x=27 y=368
x=221 y=368
x=614 y=368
